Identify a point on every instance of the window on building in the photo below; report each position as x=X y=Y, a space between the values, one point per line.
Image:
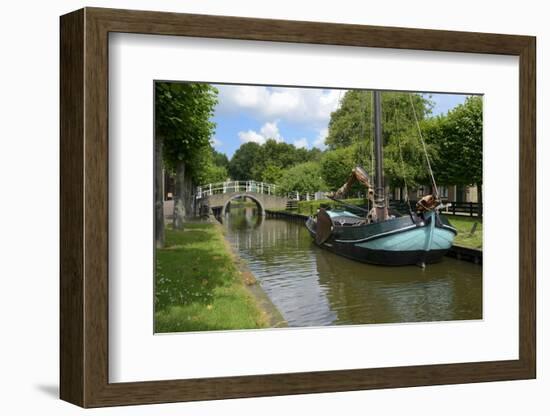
x=443 y=191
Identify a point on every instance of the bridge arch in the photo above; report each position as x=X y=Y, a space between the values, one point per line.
x=217 y=196
x=259 y=203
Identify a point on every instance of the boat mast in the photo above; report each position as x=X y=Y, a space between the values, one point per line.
x=379 y=197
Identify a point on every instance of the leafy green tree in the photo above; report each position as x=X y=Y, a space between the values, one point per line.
x=205 y=168
x=183 y=125
x=280 y=155
x=351 y=127
x=272 y=173
x=214 y=173
x=458 y=137
x=314 y=154
x=336 y=166
x=353 y=122
x=244 y=160
x=304 y=177
x=220 y=159
x=266 y=162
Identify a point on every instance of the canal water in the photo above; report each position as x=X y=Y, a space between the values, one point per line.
x=313 y=287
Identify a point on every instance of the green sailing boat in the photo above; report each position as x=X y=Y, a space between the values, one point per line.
x=421 y=237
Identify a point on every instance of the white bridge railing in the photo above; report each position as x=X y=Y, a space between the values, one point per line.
x=235 y=186
x=308 y=196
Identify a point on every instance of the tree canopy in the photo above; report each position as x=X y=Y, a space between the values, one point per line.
x=244 y=160
x=302 y=178
x=336 y=166
x=458 y=136
x=220 y=159
x=351 y=127
x=353 y=122
x=183 y=113
x=268 y=161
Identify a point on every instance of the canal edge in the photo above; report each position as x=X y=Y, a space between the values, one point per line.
x=274 y=317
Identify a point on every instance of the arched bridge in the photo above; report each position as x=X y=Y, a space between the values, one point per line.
x=219 y=195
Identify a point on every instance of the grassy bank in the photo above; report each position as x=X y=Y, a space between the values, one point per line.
x=464 y=227
x=197 y=285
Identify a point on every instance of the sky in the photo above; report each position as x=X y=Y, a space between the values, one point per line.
x=299 y=116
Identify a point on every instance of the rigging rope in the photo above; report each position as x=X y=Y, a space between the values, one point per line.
x=372 y=129
x=360 y=156
x=436 y=191
x=402 y=162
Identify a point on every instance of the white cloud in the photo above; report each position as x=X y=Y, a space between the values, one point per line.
x=215 y=142
x=301 y=143
x=269 y=130
x=302 y=105
x=320 y=140
x=251 y=136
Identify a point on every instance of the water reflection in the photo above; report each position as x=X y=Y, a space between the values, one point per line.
x=313 y=287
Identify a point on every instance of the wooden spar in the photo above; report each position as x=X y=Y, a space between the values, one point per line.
x=358 y=174
x=379 y=197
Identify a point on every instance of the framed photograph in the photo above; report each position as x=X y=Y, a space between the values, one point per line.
x=255 y=207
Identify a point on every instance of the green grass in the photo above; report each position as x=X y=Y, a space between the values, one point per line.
x=198 y=286
x=464 y=226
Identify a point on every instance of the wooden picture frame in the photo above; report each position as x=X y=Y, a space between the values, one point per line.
x=84 y=207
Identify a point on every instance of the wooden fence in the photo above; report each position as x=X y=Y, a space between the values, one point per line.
x=470 y=209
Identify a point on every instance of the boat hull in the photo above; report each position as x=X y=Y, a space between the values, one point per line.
x=400 y=243
x=386 y=257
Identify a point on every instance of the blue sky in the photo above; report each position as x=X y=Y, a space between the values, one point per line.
x=298 y=116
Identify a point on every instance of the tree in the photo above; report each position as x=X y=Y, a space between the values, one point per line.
x=353 y=122
x=351 y=127
x=183 y=112
x=336 y=166
x=204 y=167
x=214 y=173
x=220 y=159
x=266 y=162
x=275 y=156
x=159 y=197
x=459 y=140
x=271 y=173
x=304 y=177
x=244 y=160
